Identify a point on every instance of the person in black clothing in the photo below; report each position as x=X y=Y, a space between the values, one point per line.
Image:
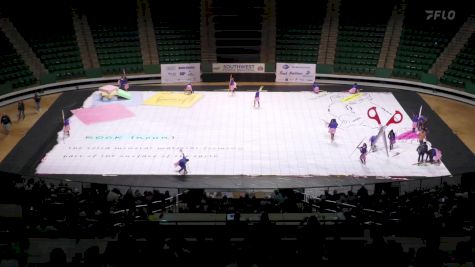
x=392 y=139
x=37 y=101
x=422 y=150
x=6 y=123
x=21 y=110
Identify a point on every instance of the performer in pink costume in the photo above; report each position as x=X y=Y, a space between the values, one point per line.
x=232 y=84
x=434 y=155
x=66 y=127
x=364 y=151
x=188 y=89
x=438 y=155
x=354 y=89
x=315 y=88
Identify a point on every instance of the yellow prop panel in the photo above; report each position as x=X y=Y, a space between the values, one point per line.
x=173 y=99
x=351 y=97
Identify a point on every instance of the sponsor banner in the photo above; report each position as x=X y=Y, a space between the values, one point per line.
x=184 y=72
x=295 y=72
x=238 y=67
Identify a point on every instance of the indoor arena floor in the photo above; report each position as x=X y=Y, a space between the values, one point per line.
x=230 y=143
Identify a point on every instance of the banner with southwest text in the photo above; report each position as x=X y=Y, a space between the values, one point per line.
x=239 y=67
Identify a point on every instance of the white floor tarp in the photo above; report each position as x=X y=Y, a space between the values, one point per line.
x=226 y=135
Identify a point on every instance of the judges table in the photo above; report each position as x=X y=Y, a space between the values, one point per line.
x=222 y=218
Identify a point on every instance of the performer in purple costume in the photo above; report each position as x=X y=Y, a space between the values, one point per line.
x=421 y=122
x=315 y=88
x=232 y=84
x=332 y=128
x=256 y=99
x=66 y=127
x=364 y=151
x=372 y=141
x=415 y=118
x=182 y=163
x=123 y=83
x=392 y=139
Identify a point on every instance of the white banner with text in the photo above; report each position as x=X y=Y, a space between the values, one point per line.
x=295 y=72
x=184 y=72
x=239 y=67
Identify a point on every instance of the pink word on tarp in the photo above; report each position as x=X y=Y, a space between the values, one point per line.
x=407 y=135
x=102 y=113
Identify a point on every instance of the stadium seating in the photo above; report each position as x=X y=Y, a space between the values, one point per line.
x=57 y=49
x=238 y=30
x=177 y=31
x=462 y=68
x=298 y=38
x=360 y=36
x=116 y=40
x=60 y=55
x=13 y=71
x=422 y=42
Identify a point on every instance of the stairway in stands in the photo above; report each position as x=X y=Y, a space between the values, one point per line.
x=238 y=30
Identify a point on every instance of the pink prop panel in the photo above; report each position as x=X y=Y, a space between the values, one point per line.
x=102 y=113
x=407 y=135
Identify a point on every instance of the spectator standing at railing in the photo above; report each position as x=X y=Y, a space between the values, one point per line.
x=37 y=99
x=6 y=123
x=21 y=110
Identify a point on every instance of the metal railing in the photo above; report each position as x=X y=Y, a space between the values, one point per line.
x=403 y=186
